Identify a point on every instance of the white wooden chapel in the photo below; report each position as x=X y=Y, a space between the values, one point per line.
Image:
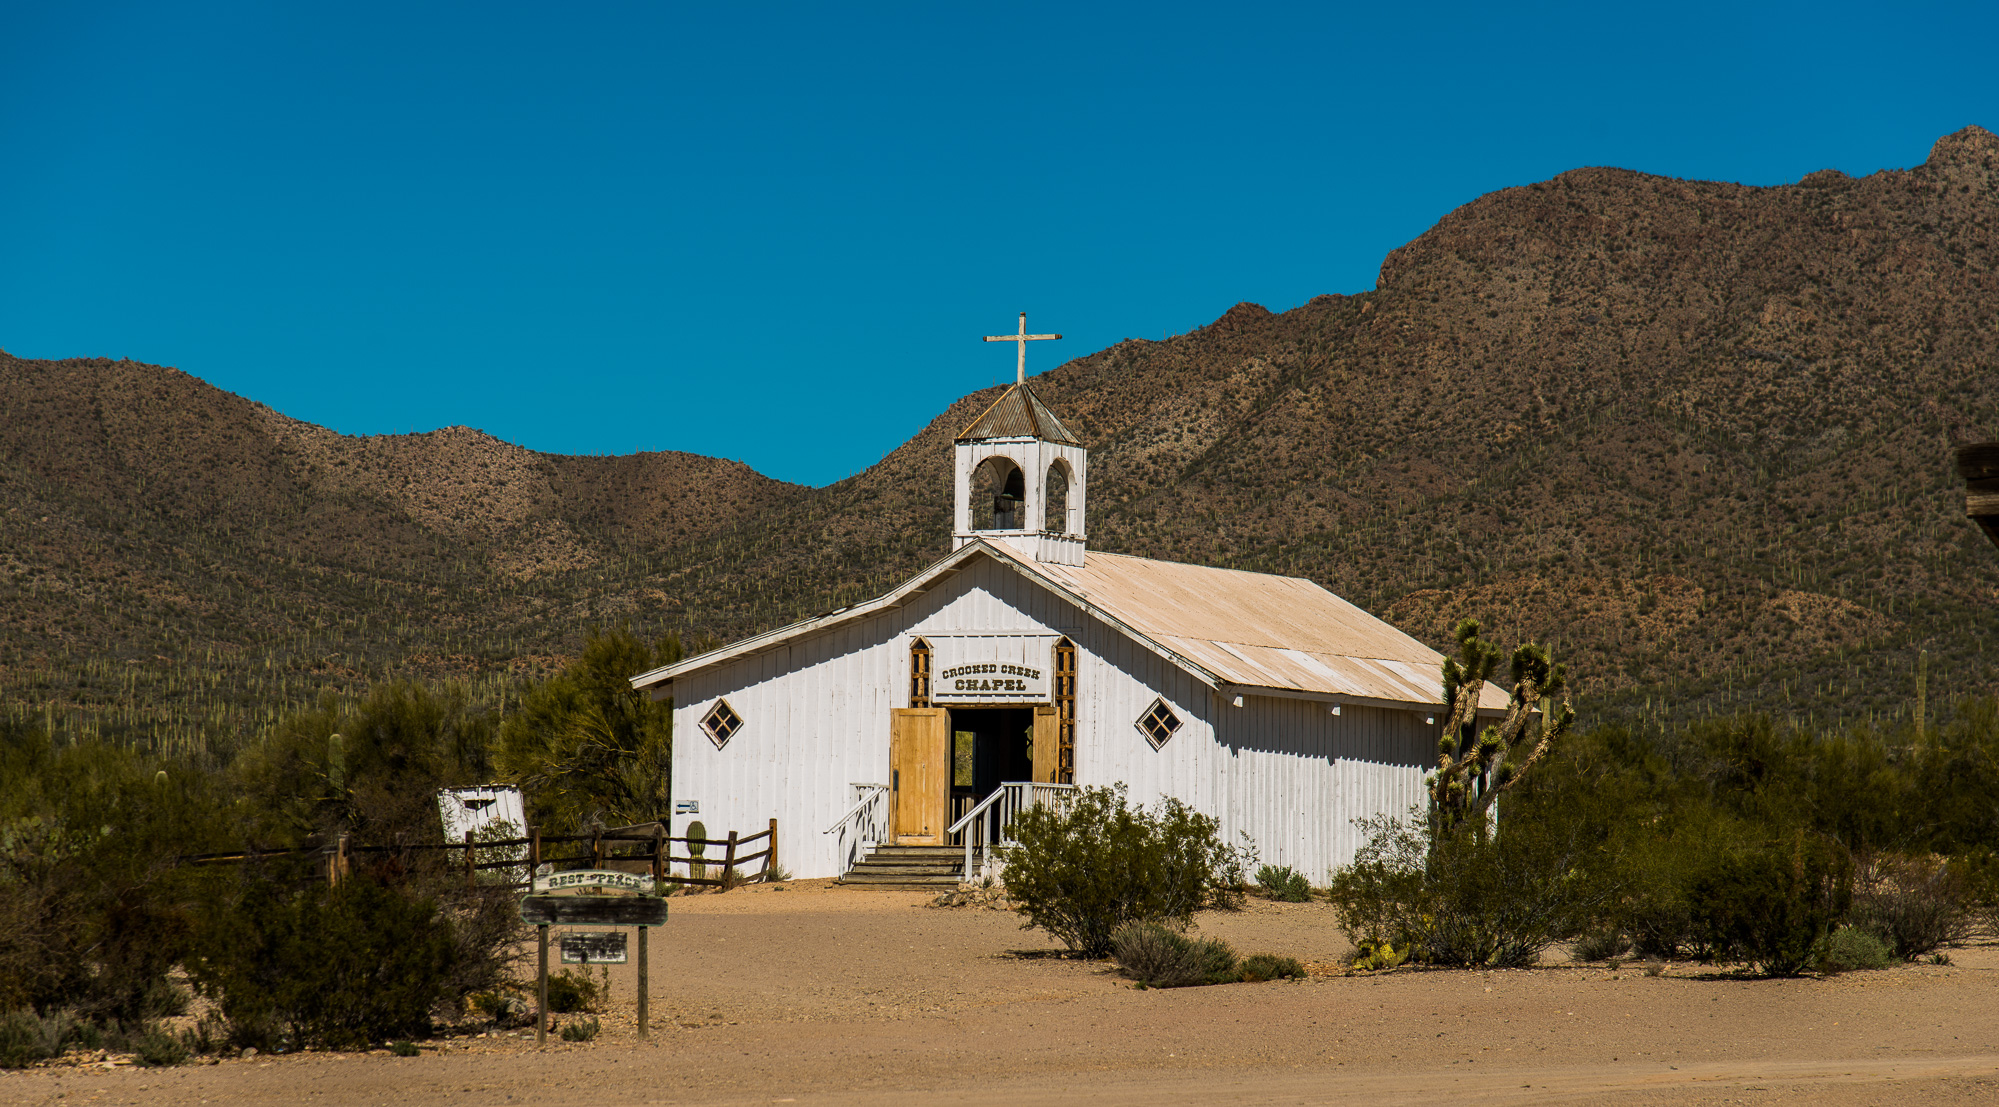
x=1022 y=655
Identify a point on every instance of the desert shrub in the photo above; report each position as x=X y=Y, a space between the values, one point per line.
x=1771 y=904
x=158 y=1046
x=484 y=925
x=1083 y=872
x=1851 y=947
x=1468 y=898
x=312 y=965
x=93 y=912
x=1259 y=967
x=570 y=991
x=1915 y=905
x=26 y=1037
x=1160 y=957
x=1980 y=870
x=404 y=1048
x=371 y=768
x=584 y=746
x=580 y=1030
x=1282 y=882
x=1369 y=956
x=1601 y=945
x=503 y=1008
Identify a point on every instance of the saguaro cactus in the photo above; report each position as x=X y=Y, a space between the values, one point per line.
x=696 y=831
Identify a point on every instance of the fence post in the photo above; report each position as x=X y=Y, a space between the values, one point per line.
x=534 y=855
x=596 y=849
x=658 y=864
x=470 y=879
x=340 y=859
x=729 y=864
x=541 y=987
x=770 y=858
x=645 y=990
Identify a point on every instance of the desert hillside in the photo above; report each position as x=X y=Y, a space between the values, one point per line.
x=1693 y=433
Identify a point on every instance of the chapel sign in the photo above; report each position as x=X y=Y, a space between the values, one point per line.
x=991 y=668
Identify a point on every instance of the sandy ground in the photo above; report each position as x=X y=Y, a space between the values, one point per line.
x=816 y=994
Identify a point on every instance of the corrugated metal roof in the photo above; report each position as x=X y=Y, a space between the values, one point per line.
x=1252 y=630
x=1018 y=414
x=1260 y=630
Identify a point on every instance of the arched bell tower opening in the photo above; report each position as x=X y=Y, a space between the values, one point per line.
x=1055 y=499
x=1021 y=478
x=999 y=495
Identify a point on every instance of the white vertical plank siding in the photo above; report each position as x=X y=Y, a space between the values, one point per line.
x=1287 y=772
x=1299 y=776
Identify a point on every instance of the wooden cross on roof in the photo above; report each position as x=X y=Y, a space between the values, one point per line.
x=1020 y=369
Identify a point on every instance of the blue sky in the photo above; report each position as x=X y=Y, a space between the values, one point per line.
x=608 y=227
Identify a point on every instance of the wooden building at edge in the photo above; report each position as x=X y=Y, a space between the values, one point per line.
x=1263 y=700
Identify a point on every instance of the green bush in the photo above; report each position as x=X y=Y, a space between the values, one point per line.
x=341 y=967
x=570 y=991
x=1469 y=899
x=25 y=1038
x=1600 y=945
x=1282 y=882
x=1771 y=904
x=503 y=1009
x=404 y=1048
x=586 y=748
x=89 y=921
x=1851 y=947
x=1084 y=872
x=158 y=1046
x=1159 y=957
x=580 y=1030
x=1259 y=967
x=1369 y=956
x=1916 y=905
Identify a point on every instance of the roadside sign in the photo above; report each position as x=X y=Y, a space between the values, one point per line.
x=594 y=949
x=593 y=910
x=554 y=902
x=593 y=878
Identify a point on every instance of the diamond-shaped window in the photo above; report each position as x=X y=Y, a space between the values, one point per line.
x=721 y=723
x=1158 y=723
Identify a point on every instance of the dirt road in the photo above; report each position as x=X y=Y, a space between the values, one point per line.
x=836 y=996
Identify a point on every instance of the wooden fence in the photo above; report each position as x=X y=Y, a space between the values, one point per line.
x=657 y=856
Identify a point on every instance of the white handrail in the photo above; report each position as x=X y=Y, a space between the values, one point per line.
x=992 y=819
x=864 y=826
x=977 y=810
x=869 y=794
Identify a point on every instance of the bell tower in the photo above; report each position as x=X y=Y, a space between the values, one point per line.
x=1020 y=476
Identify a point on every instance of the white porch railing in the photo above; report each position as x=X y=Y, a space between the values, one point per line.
x=864 y=825
x=989 y=825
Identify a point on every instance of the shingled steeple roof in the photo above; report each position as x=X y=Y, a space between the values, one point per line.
x=1018 y=413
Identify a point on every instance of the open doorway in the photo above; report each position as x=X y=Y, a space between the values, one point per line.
x=989 y=746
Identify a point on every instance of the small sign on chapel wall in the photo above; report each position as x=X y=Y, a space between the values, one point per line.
x=973 y=668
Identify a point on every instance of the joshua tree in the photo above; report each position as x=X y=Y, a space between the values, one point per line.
x=1469 y=779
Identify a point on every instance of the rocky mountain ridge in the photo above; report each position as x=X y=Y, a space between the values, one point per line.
x=1692 y=433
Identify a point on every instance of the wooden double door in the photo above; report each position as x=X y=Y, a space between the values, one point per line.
x=920 y=759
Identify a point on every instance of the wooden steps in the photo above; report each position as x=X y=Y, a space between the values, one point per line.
x=909 y=867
